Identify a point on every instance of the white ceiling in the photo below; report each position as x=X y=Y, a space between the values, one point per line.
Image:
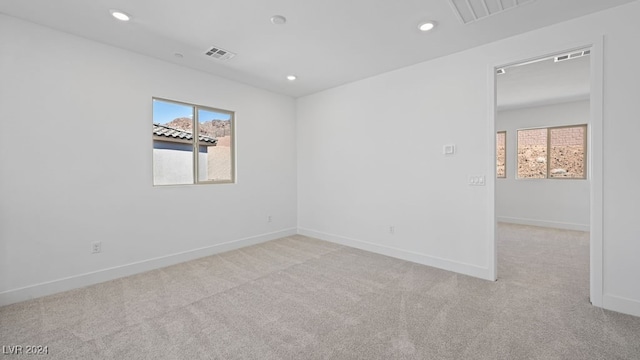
x=543 y=82
x=325 y=43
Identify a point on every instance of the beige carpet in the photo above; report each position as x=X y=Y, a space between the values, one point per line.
x=300 y=298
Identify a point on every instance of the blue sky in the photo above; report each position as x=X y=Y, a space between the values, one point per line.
x=164 y=112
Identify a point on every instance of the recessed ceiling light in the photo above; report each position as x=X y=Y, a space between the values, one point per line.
x=291 y=77
x=278 y=19
x=427 y=25
x=120 y=15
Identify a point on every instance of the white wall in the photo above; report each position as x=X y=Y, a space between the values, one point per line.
x=369 y=155
x=81 y=111
x=561 y=203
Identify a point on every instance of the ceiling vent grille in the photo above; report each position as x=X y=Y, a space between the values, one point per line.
x=472 y=10
x=219 y=54
x=573 y=55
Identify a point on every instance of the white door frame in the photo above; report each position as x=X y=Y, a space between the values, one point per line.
x=594 y=154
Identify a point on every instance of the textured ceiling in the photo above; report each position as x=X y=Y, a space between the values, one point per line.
x=325 y=43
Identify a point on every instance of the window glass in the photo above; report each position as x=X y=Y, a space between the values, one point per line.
x=179 y=157
x=501 y=154
x=567 y=157
x=172 y=143
x=215 y=161
x=532 y=154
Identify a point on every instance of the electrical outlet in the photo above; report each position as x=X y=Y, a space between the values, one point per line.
x=392 y=229
x=269 y=219
x=96 y=247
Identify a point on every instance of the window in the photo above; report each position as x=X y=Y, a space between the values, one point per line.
x=552 y=153
x=181 y=158
x=532 y=154
x=567 y=152
x=501 y=154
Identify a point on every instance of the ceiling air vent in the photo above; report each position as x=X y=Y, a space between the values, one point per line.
x=220 y=54
x=472 y=10
x=572 y=55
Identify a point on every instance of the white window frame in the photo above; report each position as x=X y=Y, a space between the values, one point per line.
x=548 y=155
x=196 y=142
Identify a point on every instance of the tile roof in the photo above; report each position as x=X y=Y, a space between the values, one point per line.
x=169 y=132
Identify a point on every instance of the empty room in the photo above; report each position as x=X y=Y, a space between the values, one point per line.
x=318 y=180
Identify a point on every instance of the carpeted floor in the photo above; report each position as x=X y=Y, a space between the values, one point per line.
x=300 y=298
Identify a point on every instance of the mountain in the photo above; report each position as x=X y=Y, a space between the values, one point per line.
x=212 y=128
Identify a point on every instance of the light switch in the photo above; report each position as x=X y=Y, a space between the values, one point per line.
x=449 y=149
x=477 y=180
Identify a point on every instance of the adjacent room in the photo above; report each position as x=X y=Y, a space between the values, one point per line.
x=302 y=180
x=542 y=182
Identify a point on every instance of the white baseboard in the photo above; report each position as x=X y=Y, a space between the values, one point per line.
x=543 y=223
x=95 y=277
x=621 y=305
x=445 y=264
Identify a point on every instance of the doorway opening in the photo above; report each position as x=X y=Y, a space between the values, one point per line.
x=547 y=165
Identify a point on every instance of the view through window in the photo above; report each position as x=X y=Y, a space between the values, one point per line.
x=501 y=154
x=554 y=153
x=179 y=157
